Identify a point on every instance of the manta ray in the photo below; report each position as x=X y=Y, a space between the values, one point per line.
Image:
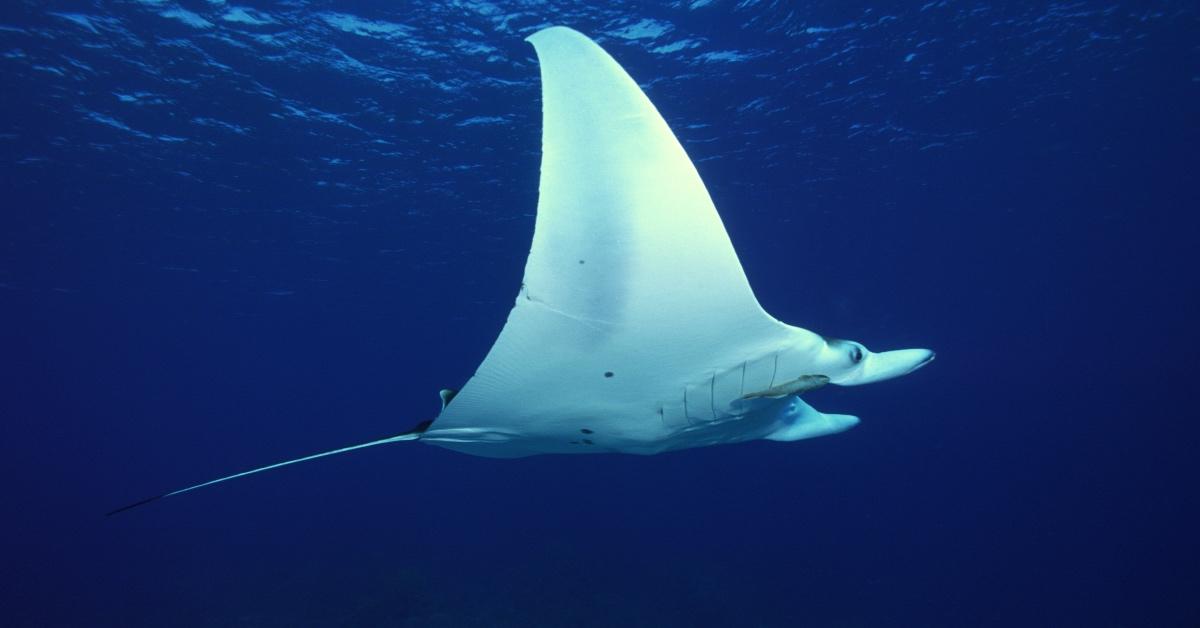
x=635 y=329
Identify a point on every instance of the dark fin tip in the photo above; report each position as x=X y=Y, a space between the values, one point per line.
x=135 y=505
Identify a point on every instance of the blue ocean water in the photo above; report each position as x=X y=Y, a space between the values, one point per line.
x=234 y=233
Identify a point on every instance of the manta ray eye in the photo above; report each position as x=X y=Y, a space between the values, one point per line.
x=855 y=355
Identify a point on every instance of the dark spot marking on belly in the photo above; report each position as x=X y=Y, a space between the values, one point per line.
x=608 y=373
x=580 y=261
x=587 y=431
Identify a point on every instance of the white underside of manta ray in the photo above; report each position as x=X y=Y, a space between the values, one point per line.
x=635 y=329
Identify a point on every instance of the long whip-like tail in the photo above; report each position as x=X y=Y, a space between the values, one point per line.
x=412 y=434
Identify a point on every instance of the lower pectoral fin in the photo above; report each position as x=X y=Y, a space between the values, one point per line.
x=799 y=421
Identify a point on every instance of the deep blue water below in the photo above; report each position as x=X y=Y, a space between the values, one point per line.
x=233 y=233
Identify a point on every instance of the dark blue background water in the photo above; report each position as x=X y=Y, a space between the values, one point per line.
x=232 y=235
